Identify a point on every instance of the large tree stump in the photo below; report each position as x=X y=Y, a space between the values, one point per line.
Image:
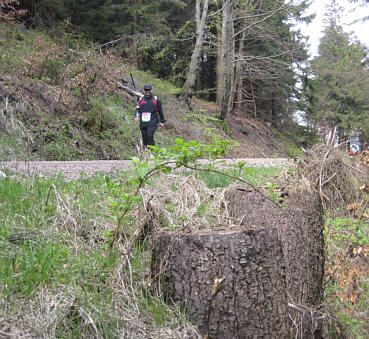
x=252 y=299
x=301 y=227
x=272 y=261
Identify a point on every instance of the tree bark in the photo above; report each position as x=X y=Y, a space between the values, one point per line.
x=273 y=110
x=219 y=60
x=200 y=15
x=238 y=74
x=251 y=301
x=272 y=264
x=300 y=227
x=226 y=70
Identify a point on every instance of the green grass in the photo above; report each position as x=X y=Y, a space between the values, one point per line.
x=253 y=175
x=53 y=248
x=10 y=148
x=54 y=238
x=36 y=236
x=346 y=276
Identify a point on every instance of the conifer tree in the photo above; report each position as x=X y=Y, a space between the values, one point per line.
x=341 y=83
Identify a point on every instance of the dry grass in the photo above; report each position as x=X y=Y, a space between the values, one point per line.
x=330 y=171
x=342 y=182
x=183 y=203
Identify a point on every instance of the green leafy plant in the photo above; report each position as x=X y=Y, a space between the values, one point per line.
x=273 y=193
x=182 y=154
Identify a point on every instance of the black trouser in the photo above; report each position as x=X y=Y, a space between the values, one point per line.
x=148 y=134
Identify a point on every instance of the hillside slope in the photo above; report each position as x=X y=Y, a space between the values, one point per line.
x=59 y=100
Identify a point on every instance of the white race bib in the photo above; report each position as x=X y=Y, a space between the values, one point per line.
x=146 y=116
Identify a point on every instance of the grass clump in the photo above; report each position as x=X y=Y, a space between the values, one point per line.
x=253 y=175
x=55 y=273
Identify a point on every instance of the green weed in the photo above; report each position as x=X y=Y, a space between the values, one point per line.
x=253 y=175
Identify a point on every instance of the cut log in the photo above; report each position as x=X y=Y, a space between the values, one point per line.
x=301 y=231
x=252 y=300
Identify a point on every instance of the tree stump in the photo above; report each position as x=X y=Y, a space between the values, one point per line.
x=275 y=257
x=301 y=227
x=251 y=302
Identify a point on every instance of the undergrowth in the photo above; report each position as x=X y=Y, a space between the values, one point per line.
x=56 y=279
x=56 y=276
x=59 y=100
x=347 y=276
x=56 y=269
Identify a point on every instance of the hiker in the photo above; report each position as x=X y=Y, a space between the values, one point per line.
x=148 y=111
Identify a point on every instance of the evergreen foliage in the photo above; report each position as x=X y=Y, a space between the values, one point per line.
x=341 y=85
x=45 y=13
x=106 y=20
x=272 y=51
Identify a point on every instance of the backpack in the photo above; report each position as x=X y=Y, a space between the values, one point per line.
x=154 y=100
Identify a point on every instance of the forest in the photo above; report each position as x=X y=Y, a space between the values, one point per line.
x=244 y=55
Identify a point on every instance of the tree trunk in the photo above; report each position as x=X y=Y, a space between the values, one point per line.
x=301 y=232
x=250 y=303
x=238 y=75
x=200 y=15
x=272 y=265
x=227 y=57
x=219 y=64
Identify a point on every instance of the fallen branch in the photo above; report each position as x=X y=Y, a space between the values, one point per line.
x=125 y=87
x=329 y=179
x=322 y=168
x=364 y=209
x=23 y=236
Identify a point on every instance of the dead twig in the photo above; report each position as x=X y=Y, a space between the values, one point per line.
x=23 y=236
x=217 y=287
x=65 y=207
x=322 y=166
x=329 y=179
x=364 y=209
x=354 y=168
x=90 y=321
x=63 y=204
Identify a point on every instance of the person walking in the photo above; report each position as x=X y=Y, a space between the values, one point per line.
x=148 y=112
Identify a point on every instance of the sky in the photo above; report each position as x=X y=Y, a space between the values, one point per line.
x=348 y=15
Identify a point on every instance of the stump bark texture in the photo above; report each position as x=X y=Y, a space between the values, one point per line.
x=251 y=303
x=301 y=232
x=300 y=227
x=273 y=258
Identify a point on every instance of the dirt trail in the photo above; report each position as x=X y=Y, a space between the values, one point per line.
x=74 y=169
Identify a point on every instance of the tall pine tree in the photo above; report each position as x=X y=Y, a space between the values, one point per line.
x=341 y=83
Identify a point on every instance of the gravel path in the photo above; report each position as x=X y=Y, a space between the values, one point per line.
x=74 y=169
